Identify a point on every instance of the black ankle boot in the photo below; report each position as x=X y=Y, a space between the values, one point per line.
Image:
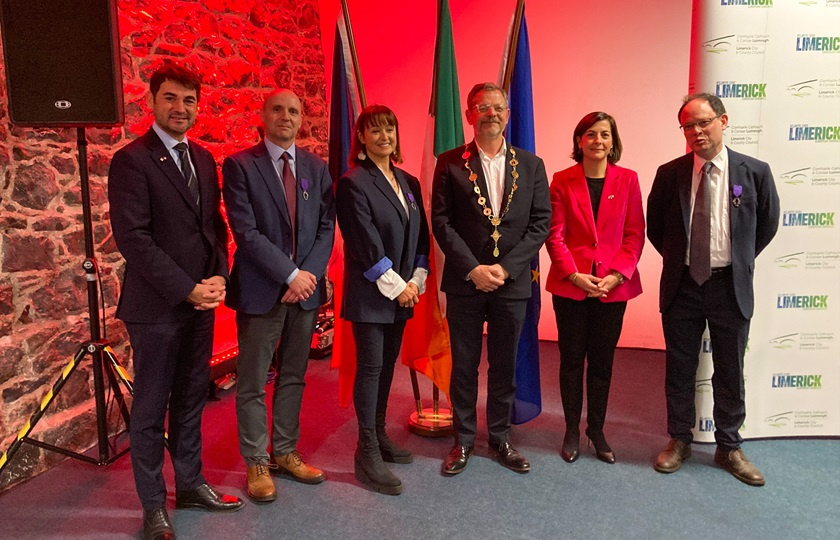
x=389 y=450
x=369 y=467
x=571 y=444
x=602 y=449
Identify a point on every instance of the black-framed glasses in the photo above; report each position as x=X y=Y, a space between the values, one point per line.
x=484 y=107
x=702 y=124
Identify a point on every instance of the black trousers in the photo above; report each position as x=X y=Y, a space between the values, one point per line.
x=466 y=316
x=377 y=348
x=683 y=324
x=587 y=333
x=171 y=369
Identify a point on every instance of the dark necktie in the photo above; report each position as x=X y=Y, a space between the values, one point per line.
x=186 y=170
x=290 y=187
x=699 y=257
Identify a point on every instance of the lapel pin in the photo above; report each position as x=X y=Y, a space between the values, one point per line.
x=163 y=158
x=611 y=197
x=736 y=195
x=304 y=185
x=411 y=198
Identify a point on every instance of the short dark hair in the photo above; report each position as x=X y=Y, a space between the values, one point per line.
x=714 y=102
x=374 y=115
x=175 y=73
x=484 y=87
x=587 y=122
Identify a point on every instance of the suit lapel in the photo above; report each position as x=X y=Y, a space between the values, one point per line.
x=161 y=156
x=413 y=221
x=684 y=174
x=581 y=195
x=736 y=177
x=204 y=175
x=384 y=186
x=481 y=181
x=272 y=180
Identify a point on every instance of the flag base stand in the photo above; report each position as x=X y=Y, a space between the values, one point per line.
x=433 y=421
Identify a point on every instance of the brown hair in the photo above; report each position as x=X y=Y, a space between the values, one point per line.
x=587 y=122
x=175 y=73
x=374 y=115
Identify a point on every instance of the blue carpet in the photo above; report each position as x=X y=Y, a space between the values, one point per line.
x=586 y=499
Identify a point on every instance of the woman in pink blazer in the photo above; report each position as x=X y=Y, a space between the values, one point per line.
x=596 y=239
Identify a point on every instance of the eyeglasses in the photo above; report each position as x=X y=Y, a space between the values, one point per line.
x=484 y=107
x=702 y=124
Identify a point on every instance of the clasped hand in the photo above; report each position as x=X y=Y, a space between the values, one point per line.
x=488 y=278
x=300 y=288
x=208 y=294
x=593 y=286
x=410 y=295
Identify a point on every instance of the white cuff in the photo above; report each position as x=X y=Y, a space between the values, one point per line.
x=390 y=284
x=419 y=279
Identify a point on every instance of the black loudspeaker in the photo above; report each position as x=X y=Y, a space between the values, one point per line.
x=62 y=62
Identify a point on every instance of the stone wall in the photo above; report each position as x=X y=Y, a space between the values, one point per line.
x=241 y=48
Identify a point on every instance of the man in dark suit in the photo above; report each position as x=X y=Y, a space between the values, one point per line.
x=709 y=214
x=279 y=202
x=165 y=215
x=490 y=216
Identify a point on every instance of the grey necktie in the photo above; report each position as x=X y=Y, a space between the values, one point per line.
x=699 y=257
x=187 y=171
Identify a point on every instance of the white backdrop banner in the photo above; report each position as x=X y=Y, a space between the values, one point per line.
x=776 y=66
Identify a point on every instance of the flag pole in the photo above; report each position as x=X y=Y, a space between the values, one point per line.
x=514 y=42
x=353 y=55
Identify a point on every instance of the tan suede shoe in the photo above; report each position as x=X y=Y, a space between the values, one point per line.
x=671 y=459
x=737 y=464
x=293 y=465
x=260 y=485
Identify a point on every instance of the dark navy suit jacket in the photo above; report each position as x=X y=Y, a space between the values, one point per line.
x=168 y=242
x=378 y=235
x=463 y=231
x=259 y=218
x=752 y=224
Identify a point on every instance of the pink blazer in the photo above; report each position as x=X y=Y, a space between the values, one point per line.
x=615 y=242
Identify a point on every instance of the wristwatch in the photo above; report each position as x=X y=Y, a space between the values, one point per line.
x=617 y=275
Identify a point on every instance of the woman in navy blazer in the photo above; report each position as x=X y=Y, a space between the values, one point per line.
x=595 y=241
x=386 y=253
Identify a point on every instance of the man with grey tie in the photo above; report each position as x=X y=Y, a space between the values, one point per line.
x=279 y=201
x=709 y=214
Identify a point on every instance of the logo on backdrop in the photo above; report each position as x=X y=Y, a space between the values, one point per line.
x=706 y=423
x=750 y=3
x=821 y=88
x=745 y=134
x=815 y=43
x=735 y=90
x=804 y=420
x=805 y=132
x=810 y=220
x=806 y=302
x=810 y=260
x=812 y=176
x=804 y=341
x=800 y=382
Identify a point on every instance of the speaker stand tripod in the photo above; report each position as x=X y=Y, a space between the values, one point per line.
x=98 y=349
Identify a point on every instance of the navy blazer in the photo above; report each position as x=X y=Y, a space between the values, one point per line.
x=463 y=231
x=168 y=242
x=752 y=224
x=259 y=219
x=378 y=235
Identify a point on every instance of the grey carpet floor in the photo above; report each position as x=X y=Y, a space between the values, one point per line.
x=586 y=499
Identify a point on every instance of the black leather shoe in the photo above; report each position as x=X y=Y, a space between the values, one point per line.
x=457 y=459
x=156 y=525
x=205 y=497
x=510 y=458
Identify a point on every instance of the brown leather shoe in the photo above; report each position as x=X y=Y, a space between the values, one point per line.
x=260 y=485
x=293 y=465
x=671 y=459
x=737 y=464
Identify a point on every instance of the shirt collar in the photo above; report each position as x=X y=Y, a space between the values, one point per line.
x=275 y=151
x=719 y=161
x=168 y=140
x=500 y=154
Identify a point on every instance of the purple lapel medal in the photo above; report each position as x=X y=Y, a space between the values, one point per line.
x=411 y=199
x=736 y=195
x=304 y=185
